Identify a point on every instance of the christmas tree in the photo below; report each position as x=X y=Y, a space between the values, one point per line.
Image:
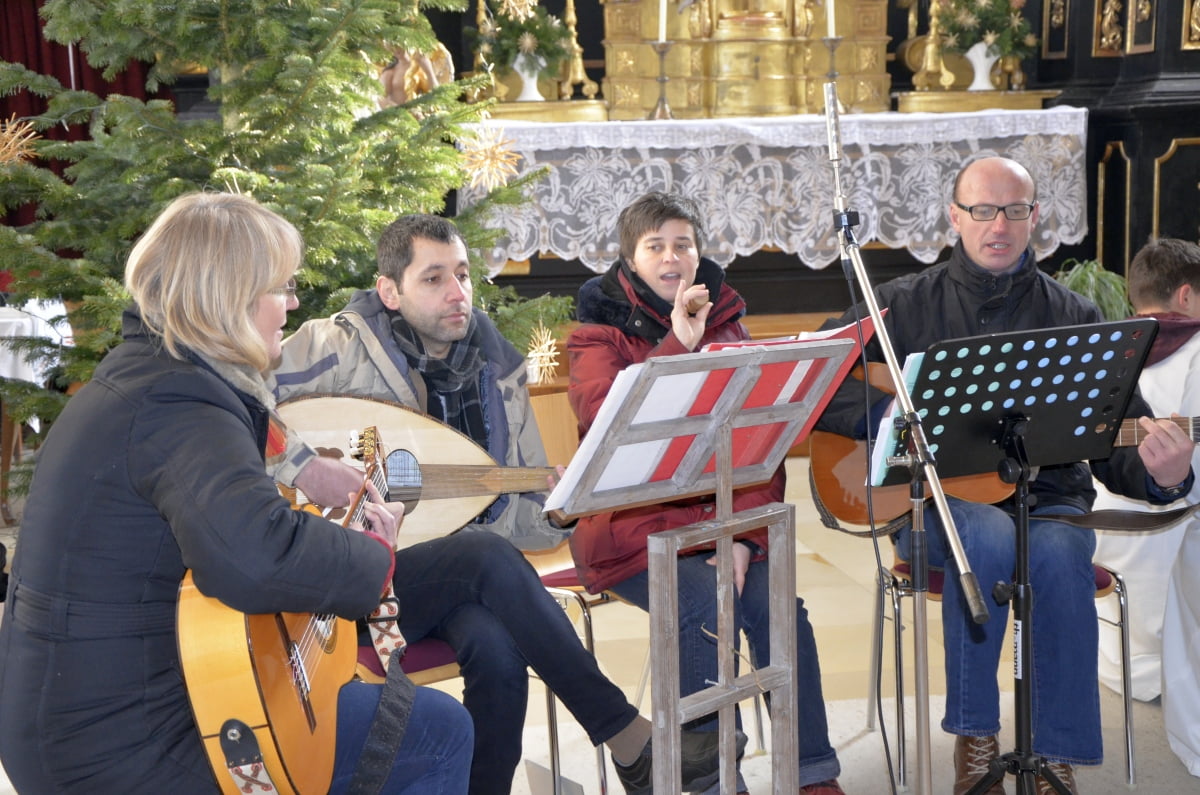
x=297 y=125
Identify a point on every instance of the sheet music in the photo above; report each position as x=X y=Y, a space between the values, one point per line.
x=590 y=442
x=887 y=437
x=685 y=397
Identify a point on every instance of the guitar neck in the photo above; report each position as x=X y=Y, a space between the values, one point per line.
x=375 y=473
x=447 y=481
x=1131 y=434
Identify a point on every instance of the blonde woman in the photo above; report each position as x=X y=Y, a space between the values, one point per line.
x=156 y=467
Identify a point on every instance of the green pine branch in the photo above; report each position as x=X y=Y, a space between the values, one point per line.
x=299 y=128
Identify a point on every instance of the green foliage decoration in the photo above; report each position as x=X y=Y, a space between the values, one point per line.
x=503 y=36
x=1092 y=280
x=999 y=23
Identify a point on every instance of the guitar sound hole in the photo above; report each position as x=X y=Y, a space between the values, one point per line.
x=404 y=478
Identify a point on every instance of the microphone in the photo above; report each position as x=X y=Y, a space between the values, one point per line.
x=843 y=219
x=833 y=130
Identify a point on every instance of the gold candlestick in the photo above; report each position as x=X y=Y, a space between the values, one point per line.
x=933 y=72
x=662 y=110
x=574 y=72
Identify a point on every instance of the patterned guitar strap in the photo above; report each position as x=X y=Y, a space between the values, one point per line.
x=384 y=624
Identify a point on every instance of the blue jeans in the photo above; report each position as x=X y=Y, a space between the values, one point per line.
x=433 y=756
x=478 y=593
x=698 y=655
x=1063 y=632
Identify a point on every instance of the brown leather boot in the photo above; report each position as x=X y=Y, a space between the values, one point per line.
x=1064 y=773
x=971 y=757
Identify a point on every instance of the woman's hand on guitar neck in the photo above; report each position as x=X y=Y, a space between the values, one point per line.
x=379 y=516
x=325 y=481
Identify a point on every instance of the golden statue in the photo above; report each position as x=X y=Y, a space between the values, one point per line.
x=1110 y=26
x=413 y=73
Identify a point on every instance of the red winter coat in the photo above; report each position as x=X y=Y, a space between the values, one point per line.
x=621 y=328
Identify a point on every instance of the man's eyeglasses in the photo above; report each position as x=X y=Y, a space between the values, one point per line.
x=988 y=212
x=288 y=289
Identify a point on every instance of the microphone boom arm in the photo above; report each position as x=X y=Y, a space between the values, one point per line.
x=851 y=256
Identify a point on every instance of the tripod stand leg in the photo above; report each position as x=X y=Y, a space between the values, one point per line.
x=1050 y=778
x=996 y=770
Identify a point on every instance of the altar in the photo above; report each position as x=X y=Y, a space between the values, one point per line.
x=767 y=182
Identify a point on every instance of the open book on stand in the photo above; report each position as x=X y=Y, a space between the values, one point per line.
x=799 y=373
x=659 y=422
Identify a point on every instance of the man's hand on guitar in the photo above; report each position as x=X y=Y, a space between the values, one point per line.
x=1166 y=450
x=379 y=516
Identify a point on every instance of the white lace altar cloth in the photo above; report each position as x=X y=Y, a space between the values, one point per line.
x=768 y=182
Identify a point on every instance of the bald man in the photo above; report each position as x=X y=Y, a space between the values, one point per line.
x=991 y=284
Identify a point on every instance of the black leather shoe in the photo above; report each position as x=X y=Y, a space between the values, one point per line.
x=700 y=763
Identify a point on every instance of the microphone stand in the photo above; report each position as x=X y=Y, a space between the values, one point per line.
x=919 y=459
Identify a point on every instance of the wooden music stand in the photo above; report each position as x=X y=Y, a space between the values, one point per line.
x=707 y=423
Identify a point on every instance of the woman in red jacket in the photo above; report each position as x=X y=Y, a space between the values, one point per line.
x=662 y=299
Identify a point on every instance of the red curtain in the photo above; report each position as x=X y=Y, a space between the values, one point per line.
x=21 y=41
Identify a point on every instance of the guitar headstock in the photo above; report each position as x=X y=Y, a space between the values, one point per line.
x=365 y=446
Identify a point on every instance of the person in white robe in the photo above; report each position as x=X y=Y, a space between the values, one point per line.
x=1159 y=567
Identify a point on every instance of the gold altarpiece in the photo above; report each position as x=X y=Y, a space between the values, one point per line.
x=743 y=57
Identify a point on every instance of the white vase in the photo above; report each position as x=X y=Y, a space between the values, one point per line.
x=527 y=68
x=981 y=56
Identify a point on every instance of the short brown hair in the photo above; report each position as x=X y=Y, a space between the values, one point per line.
x=1160 y=268
x=650 y=212
x=198 y=271
x=394 y=252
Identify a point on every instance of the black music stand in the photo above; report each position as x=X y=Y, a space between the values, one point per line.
x=1011 y=402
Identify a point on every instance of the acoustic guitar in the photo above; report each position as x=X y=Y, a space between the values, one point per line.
x=838 y=465
x=264 y=688
x=442 y=476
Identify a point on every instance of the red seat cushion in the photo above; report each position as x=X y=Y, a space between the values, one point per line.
x=1105 y=583
x=426 y=653
x=1104 y=579
x=420 y=656
x=903 y=569
x=564 y=578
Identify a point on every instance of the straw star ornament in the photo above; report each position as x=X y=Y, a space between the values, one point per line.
x=517 y=9
x=542 y=356
x=16 y=140
x=488 y=158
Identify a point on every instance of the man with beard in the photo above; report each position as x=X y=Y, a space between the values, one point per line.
x=416 y=339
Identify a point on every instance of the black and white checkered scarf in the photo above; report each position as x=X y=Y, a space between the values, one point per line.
x=453 y=382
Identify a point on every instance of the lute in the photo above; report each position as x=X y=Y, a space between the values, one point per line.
x=442 y=476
